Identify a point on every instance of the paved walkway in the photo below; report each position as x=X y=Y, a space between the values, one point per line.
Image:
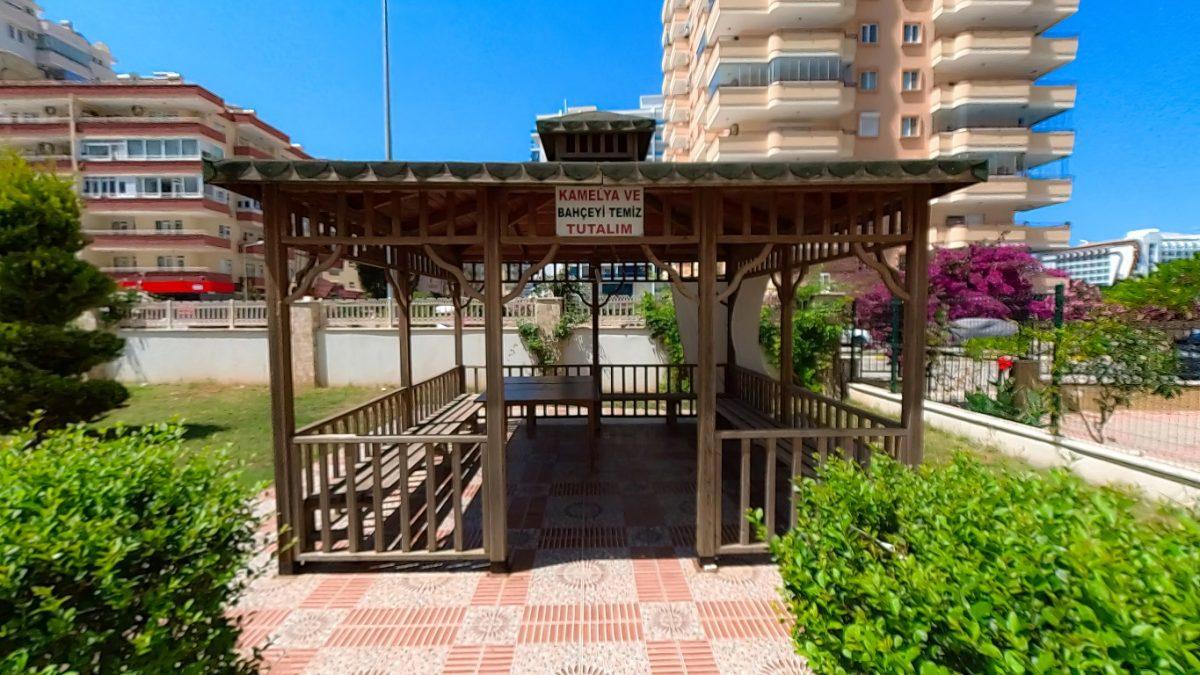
x=604 y=582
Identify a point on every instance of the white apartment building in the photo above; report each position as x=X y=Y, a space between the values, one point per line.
x=33 y=48
x=1107 y=262
x=649 y=105
x=845 y=80
x=134 y=147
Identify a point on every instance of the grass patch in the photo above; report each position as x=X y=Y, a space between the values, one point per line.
x=239 y=415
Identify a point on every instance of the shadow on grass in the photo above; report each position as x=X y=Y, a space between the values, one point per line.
x=191 y=431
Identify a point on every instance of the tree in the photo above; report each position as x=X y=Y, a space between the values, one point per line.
x=1120 y=360
x=373 y=280
x=1170 y=292
x=43 y=288
x=816 y=335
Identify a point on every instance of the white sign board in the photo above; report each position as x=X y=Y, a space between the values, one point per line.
x=600 y=211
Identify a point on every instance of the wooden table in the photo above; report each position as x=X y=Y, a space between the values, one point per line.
x=531 y=392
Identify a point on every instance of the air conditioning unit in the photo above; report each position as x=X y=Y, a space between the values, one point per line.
x=138 y=111
x=51 y=110
x=45 y=148
x=734 y=130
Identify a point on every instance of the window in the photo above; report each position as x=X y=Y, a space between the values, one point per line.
x=910 y=127
x=910 y=80
x=868 y=124
x=170 y=261
x=912 y=33
x=168 y=225
x=12 y=34
x=226 y=266
x=120 y=226
x=124 y=262
x=868 y=34
x=868 y=80
x=224 y=231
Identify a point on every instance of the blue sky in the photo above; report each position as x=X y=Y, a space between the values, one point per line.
x=469 y=76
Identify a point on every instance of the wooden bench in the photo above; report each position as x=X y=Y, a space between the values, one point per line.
x=740 y=415
x=461 y=414
x=672 y=399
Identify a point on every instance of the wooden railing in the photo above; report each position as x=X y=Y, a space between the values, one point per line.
x=805 y=429
x=371 y=486
x=627 y=390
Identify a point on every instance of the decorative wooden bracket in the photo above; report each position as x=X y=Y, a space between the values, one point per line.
x=523 y=280
x=742 y=271
x=401 y=283
x=307 y=276
x=676 y=278
x=890 y=276
x=455 y=271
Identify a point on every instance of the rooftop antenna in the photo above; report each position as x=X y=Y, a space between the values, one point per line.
x=387 y=87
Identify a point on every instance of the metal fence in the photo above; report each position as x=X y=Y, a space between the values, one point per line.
x=619 y=312
x=1164 y=429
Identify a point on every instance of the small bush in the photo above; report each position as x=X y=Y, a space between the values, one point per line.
x=966 y=568
x=119 y=554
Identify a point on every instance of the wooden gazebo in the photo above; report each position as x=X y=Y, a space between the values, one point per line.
x=396 y=478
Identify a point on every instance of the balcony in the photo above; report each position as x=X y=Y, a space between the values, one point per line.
x=1037 y=148
x=1001 y=103
x=677 y=109
x=130 y=240
x=733 y=104
x=676 y=55
x=184 y=125
x=955 y=16
x=14 y=128
x=1038 y=236
x=165 y=205
x=736 y=17
x=1000 y=55
x=782 y=144
x=1018 y=193
x=675 y=83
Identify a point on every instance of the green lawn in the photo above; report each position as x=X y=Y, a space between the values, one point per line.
x=219 y=414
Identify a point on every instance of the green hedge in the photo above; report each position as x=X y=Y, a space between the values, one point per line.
x=119 y=554
x=967 y=568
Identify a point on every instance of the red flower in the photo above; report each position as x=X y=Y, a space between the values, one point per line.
x=1005 y=363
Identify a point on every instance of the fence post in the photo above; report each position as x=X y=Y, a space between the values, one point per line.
x=854 y=355
x=895 y=340
x=1060 y=301
x=170 y=314
x=232 y=314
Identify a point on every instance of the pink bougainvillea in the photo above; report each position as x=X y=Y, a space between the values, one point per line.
x=982 y=281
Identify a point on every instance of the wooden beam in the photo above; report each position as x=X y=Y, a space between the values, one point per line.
x=913 y=346
x=787 y=297
x=279 y=353
x=495 y=486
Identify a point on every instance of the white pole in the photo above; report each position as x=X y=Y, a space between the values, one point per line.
x=387 y=87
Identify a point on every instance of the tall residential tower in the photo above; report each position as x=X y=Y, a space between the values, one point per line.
x=830 y=80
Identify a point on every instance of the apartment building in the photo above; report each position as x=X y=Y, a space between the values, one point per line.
x=649 y=105
x=1139 y=253
x=33 y=48
x=134 y=147
x=830 y=80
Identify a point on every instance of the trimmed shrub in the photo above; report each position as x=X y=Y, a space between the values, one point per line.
x=119 y=554
x=967 y=568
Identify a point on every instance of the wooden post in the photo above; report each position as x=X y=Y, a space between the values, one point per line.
x=787 y=306
x=708 y=479
x=495 y=492
x=279 y=350
x=458 y=336
x=913 y=355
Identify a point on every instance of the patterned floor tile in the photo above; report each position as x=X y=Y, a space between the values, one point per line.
x=660 y=580
x=502 y=589
x=664 y=621
x=286 y=662
x=379 y=661
x=479 y=659
x=580 y=624
x=681 y=658
x=592 y=659
x=278 y=592
x=493 y=625
x=338 y=592
x=306 y=628
x=583 y=511
x=421 y=589
x=593 y=577
x=758 y=657
x=733 y=582
x=742 y=619
x=413 y=627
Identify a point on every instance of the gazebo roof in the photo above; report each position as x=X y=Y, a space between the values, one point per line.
x=244 y=175
x=594 y=120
